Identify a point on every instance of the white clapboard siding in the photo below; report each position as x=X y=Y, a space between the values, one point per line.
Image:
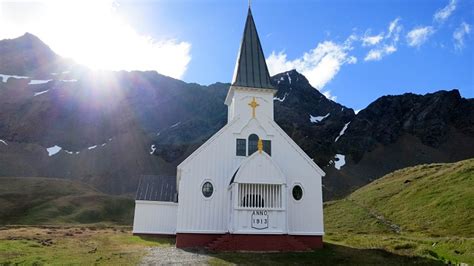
x=155 y=217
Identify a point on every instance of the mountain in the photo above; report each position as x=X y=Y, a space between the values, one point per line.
x=399 y=131
x=30 y=56
x=107 y=128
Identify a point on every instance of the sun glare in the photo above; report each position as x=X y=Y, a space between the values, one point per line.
x=93 y=34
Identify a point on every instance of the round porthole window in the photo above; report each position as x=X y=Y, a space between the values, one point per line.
x=297 y=192
x=207 y=189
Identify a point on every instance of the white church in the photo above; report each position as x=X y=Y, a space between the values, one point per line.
x=249 y=187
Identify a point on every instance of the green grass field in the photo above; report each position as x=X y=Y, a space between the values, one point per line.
x=99 y=245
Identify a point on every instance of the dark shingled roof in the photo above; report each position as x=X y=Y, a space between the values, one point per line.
x=251 y=69
x=157 y=188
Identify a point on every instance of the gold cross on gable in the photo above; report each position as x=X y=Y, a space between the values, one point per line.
x=253 y=104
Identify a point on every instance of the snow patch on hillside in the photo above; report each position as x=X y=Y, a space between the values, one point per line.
x=340 y=161
x=175 y=125
x=282 y=99
x=6 y=77
x=4 y=142
x=289 y=78
x=153 y=149
x=69 y=80
x=317 y=119
x=342 y=131
x=53 y=150
x=41 y=92
x=92 y=147
x=38 y=81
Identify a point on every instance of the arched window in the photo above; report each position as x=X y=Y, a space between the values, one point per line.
x=253 y=142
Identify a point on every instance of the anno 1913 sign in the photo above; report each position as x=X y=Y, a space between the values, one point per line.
x=259 y=219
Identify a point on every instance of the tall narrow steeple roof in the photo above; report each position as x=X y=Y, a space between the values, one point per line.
x=251 y=69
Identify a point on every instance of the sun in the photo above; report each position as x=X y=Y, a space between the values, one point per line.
x=93 y=34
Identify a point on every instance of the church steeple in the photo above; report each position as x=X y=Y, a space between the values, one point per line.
x=251 y=86
x=251 y=69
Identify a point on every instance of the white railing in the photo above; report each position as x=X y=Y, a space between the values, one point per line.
x=260 y=196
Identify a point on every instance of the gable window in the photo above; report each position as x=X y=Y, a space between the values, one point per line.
x=253 y=142
x=267 y=147
x=241 y=145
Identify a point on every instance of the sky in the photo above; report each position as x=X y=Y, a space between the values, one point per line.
x=352 y=51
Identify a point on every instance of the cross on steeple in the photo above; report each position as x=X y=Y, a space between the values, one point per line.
x=253 y=104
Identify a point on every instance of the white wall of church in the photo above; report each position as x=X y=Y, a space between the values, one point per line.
x=306 y=215
x=216 y=161
x=155 y=217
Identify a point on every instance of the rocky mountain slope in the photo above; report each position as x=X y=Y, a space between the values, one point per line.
x=108 y=128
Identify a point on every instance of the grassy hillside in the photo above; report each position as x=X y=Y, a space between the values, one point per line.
x=58 y=201
x=421 y=210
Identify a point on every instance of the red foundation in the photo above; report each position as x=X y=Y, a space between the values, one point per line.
x=228 y=242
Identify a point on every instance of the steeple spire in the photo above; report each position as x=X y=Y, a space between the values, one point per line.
x=251 y=69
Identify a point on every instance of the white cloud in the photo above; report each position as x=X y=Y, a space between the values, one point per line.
x=459 y=35
x=92 y=33
x=388 y=44
x=377 y=53
x=419 y=35
x=394 y=30
x=320 y=65
x=372 y=40
x=373 y=55
x=443 y=14
x=328 y=95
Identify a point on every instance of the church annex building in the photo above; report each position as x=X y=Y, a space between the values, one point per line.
x=249 y=187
